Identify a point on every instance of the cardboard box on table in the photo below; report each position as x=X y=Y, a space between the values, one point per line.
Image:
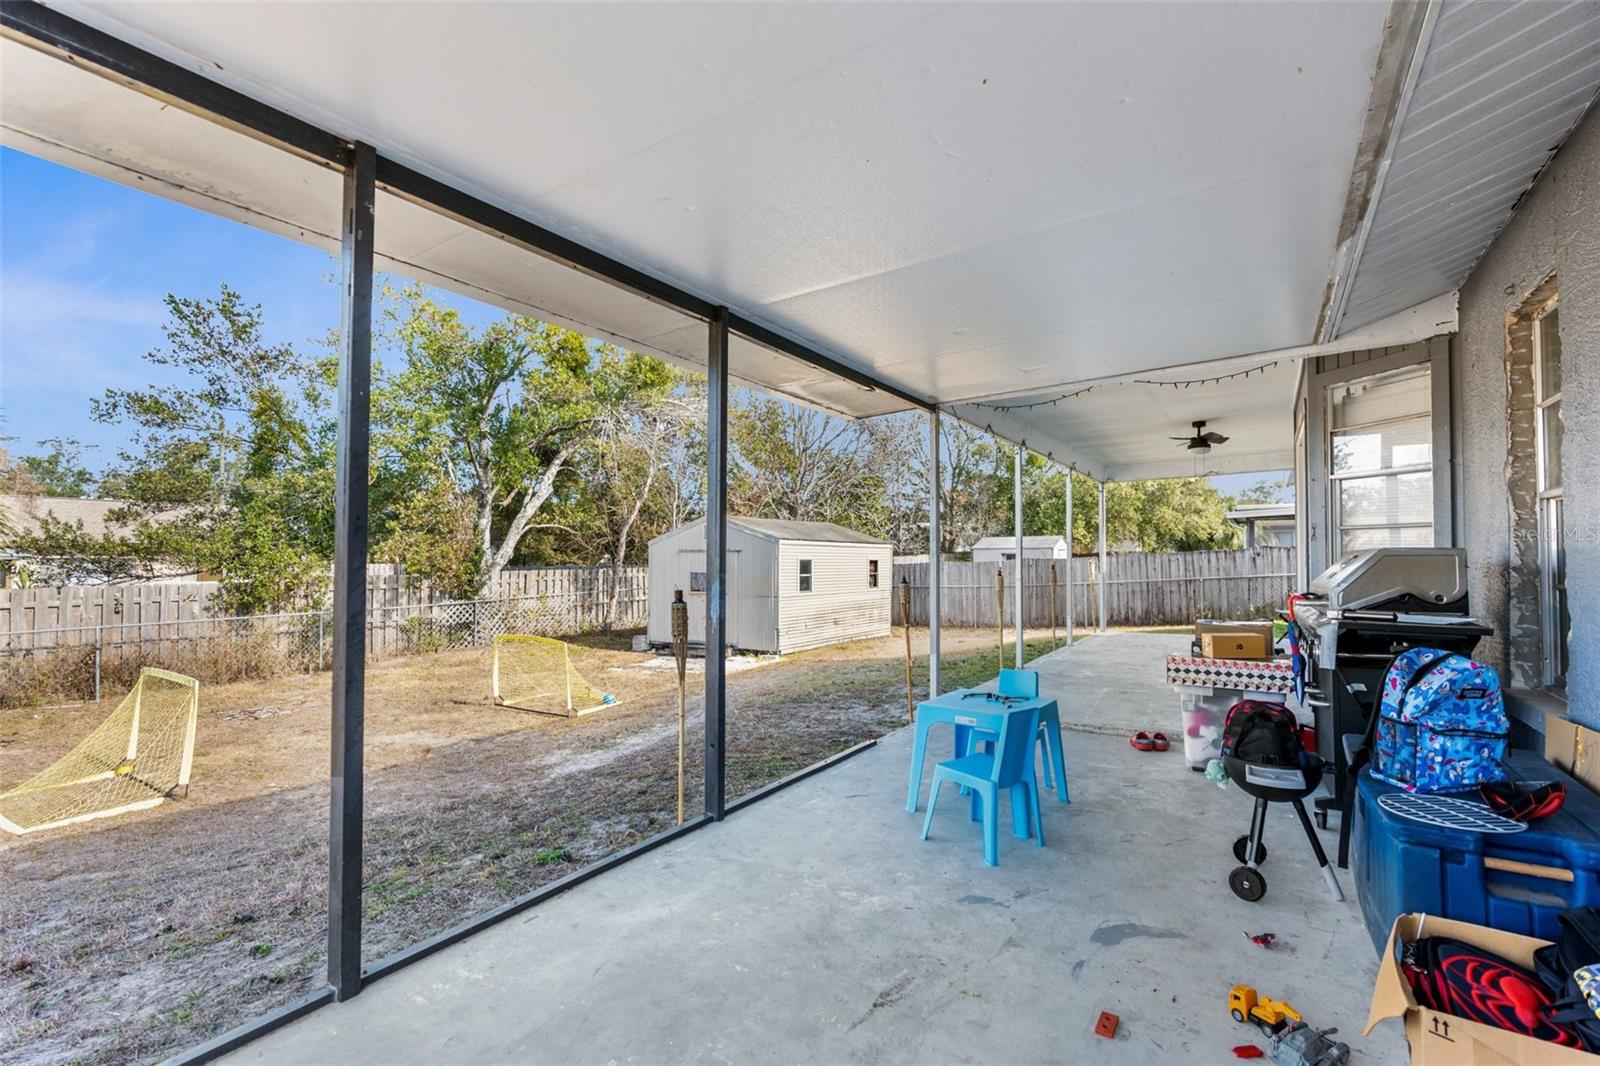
x=1439 y=1039
x=1204 y=626
x=1236 y=645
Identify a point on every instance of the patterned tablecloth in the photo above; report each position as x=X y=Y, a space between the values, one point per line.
x=1246 y=675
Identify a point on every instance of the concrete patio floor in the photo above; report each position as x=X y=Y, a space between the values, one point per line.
x=816 y=927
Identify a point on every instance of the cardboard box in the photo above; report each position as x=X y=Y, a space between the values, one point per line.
x=1202 y=626
x=1439 y=1039
x=1236 y=645
x=1573 y=749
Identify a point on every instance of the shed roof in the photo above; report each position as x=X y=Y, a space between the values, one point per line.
x=1027 y=542
x=786 y=529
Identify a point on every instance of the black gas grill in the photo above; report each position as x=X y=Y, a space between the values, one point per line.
x=1361 y=613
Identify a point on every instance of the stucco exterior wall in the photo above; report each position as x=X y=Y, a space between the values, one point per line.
x=1555 y=230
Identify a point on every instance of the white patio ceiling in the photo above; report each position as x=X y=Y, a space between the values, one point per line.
x=963 y=201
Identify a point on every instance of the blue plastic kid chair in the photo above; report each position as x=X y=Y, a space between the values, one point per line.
x=987 y=774
x=1020 y=683
x=1025 y=683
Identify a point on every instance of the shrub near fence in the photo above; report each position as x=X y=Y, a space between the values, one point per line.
x=122 y=628
x=1142 y=588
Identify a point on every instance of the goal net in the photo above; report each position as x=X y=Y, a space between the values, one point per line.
x=536 y=674
x=135 y=759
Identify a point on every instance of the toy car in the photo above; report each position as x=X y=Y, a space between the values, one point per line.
x=1299 y=1044
x=1268 y=1015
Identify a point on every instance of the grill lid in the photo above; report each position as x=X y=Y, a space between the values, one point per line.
x=1426 y=580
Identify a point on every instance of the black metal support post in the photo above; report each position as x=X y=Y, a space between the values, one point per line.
x=350 y=576
x=716 y=563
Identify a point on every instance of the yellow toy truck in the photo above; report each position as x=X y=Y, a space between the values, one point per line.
x=1268 y=1015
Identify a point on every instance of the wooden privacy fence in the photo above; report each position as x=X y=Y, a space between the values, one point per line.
x=1142 y=588
x=548 y=600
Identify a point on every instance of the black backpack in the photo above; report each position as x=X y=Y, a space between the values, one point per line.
x=1267 y=734
x=1570 y=968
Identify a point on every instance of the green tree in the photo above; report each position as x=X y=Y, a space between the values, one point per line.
x=799 y=463
x=59 y=470
x=492 y=419
x=230 y=469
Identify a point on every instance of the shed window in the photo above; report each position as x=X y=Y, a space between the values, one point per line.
x=872 y=573
x=805 y=575
x=697 y=581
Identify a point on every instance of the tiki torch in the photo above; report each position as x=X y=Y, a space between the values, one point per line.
x=905 y=619
x=680 y=651
x=1054 y=590
x=1000 y=613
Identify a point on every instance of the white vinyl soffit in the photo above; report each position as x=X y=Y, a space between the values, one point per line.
x=958 y=199
x=967 y=202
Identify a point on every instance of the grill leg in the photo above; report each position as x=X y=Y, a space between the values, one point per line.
x=1258 y=832
x=1316 y=847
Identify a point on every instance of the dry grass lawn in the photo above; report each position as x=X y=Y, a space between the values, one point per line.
x=128 y=939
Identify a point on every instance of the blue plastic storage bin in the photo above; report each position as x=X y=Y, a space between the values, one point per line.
x=1404 y=866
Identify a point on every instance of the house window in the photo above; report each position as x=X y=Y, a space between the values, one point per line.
x=805 y=575
x=1555 y=618
x=697 y=581
x=872 y=573
x=1381 y=460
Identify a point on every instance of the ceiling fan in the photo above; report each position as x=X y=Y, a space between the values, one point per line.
x=1202 y=441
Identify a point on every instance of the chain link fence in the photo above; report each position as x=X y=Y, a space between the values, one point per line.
x=84 y=662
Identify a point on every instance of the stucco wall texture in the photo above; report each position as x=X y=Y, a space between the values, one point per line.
x=1556 y=229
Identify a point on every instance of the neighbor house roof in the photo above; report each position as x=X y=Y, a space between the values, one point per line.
x=28 y=511
x=1011 y=542
x=1256 y=511
x=785 y=529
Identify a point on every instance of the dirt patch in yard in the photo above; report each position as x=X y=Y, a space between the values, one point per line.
x=127 y=939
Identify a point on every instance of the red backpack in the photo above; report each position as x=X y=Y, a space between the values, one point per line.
x=1456 y=978
x=1267 y=734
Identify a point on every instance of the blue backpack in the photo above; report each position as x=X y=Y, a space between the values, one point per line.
x=1442 y=723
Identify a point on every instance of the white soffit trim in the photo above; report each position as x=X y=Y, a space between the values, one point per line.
x=1118 y=428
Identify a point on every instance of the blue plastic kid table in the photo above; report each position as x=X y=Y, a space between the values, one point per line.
x=952 y=709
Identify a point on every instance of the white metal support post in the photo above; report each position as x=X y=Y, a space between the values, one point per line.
x=1071 y=593
x=1102 y=556
x=1016 y=522
x=934 y=562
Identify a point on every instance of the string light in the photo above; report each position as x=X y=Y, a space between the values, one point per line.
x=1262 y=369
x=1037 y=403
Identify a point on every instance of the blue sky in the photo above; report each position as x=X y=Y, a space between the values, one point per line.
x=84 y=265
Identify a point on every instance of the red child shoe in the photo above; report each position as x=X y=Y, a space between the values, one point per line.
x=1160 y=742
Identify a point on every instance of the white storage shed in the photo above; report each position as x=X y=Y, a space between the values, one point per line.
x=1003 y=549
x=791 y=585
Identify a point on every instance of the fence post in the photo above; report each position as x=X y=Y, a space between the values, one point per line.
x=99 y=632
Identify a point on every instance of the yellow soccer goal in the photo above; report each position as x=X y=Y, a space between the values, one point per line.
x=536 y=674
x=135 y=759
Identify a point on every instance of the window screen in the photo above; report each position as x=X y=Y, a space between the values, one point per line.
x=1381 y=460
x=805 y=575
x=1555 y=612
x=872 y=573
x=697 y=581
